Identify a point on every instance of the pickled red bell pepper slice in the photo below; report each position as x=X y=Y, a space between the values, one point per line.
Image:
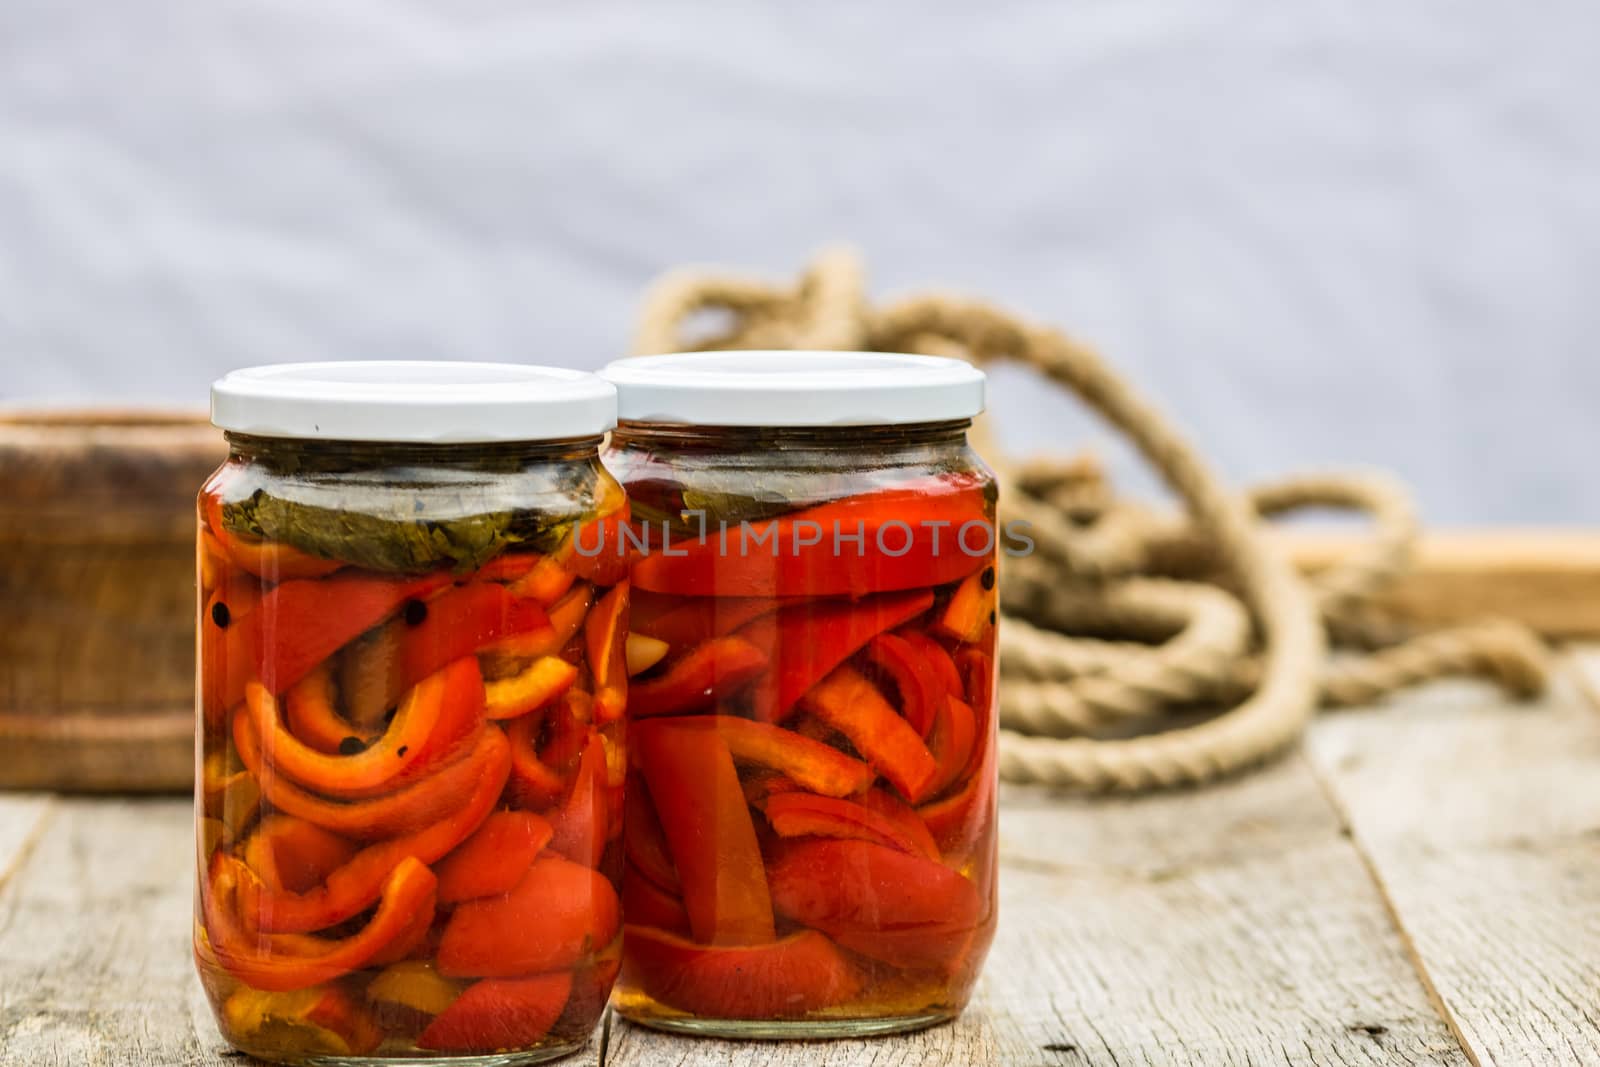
x=540 y=774
x=605 y=634
x=411 y=808
x=943 y=667
x=454 y=624
x=321 y=1020
x=270 y=560
x=282 y=962
x=957 y=821
x=891 y=807
x=498 y=1014
x=534 y=687
x=310 y=713
x=547 y=582
x=647 y=904
x=695 y=789
x=889 y=905
x=919 y=689
x=782 y=979
x=810 y=764
x=597 y=551
x=580 y=825
x=507 y=567
x=566 y=616
x=801 y=814
x=437 y=714
x=715 y=671
x=354 y=885
x=806 y=641
x=559 y=913
x=301 y=622
x=951 y=741
x=643 y=841
x=291 y=854
x=909 y=539
x=852 y=705
x=685 y=622
x=971 y=609
x=494 y=859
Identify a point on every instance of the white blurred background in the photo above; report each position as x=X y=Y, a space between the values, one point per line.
x=1317 y=233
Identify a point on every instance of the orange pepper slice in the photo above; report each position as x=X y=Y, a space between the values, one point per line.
x=852 y=705
x=810 y=764
x=713 y=672
x=605 y=635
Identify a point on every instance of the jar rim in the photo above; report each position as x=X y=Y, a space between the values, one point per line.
x=414 y=401
x=795 y=388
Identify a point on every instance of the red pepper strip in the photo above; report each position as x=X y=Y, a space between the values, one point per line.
x=545 y=679
x=457 y=623
x=293 y=855
x=647 y=904
x=952 y=742
x=797 y=554
x=499 y=1014
x=713 y=672
x=958 y=820
x=919 y=690
x=808 y=640
x=583 y=821
x=591 y=988
x=508 y=567
x=353 y=887
x=271 y=561
x=760 y=785
x=541 y=774
x=892 y=906
x=800 y=814
x=598 y=551
x=800 y=974
x=846 y=701
x=812 y=764
x=559 y=913
x=547 y=581
x=401 y=812
x=685 y=623
x=970 y=610
x=308 y=710
x=605 y=635
x=977 y=671
x=697 y=797
x=934 y=655
x=494 y=858
x=281 y=962
x=643 y=841
x=437 y=714
x=905 y=817
x=303 y=621
x=566 y=616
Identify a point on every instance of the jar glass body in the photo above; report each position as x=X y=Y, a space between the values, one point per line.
x=810 y=838
x=411 y=749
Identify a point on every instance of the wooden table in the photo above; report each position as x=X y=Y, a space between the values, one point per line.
x=1419 y=885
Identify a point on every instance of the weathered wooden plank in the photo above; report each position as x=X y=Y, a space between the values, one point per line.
x=1481 y=822
x=1234 y=925
x=22 y=818
x=95 y=964
x=1549 y=578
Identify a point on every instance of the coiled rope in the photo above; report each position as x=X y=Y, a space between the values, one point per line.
x=1202 y=611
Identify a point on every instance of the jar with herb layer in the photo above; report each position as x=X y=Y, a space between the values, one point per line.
x=810 y=839
x=411 y=696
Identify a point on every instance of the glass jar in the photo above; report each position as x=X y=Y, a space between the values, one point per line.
x=411 y=700
x=810 y=837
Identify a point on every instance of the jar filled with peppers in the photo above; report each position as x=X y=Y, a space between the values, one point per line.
x=411 y=700
x=810 y=836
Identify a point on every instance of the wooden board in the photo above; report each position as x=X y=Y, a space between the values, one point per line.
x=1549 y=579
x=1419 y=887
x=1481 y=824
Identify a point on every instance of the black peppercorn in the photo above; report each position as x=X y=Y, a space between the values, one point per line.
x=351 y=745
x=988 y=578
x=220 y=615
x=416 y=611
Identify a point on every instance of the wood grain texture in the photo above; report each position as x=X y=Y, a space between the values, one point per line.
x=1481 y=823
x=1549 y=579
x=1235 y=925
x=97 y=533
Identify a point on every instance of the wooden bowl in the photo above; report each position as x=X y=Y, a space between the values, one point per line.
x=97 y=561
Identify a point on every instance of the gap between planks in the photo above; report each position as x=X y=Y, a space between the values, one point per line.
x=1480 y=823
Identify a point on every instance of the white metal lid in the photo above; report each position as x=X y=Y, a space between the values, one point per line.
x=795 y=388
x=414 y=401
